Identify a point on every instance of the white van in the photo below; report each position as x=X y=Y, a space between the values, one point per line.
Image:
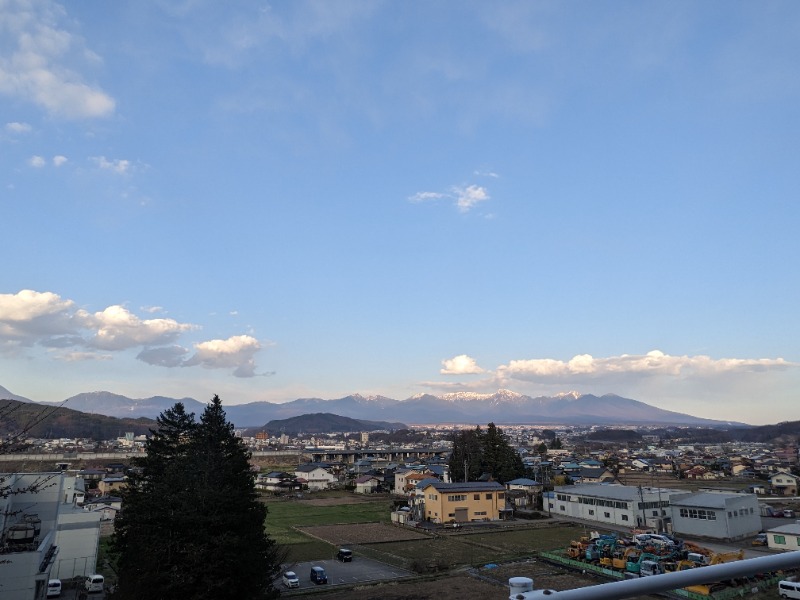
x=54 y=588
x=789 y=589
x=94 y=583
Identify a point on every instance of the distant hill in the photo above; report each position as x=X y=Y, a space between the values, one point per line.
x=614 y=435
x=53 y=422
x=329 y=423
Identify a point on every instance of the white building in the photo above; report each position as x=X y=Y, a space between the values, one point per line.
x=44 y=534
x=316 y=475
x=716 y=515
x=785 y=537
x=613 y=504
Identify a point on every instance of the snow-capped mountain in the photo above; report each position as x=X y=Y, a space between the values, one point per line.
x=502 y=407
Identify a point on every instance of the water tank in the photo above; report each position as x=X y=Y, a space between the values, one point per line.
x=20 y=534
x=518 y=585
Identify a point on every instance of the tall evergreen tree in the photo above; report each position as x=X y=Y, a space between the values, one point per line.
x=484 y=452
x=191 y=525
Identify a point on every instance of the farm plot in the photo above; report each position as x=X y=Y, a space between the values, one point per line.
x=362 y=533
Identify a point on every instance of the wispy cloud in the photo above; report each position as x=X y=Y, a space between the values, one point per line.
x=30 y=318
x=42 y=64
x=37 y=162
x=464 y=197
x=120 y=166
x=59 y=160
x=15 y=127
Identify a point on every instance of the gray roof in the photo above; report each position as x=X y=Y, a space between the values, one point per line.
x=706 y=500
x=469 y=486
x=791 y=529
x=623 y=493
x=522 y=481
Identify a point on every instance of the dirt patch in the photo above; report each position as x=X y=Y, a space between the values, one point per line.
x=362 y=533
x=338 y=501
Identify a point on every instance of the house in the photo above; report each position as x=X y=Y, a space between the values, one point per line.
x=641 y=464
x=317 y=475
x=785 y=537
x=367 y=484
x=277 y=481
x=110 y=484
x=523 y=492
x=593 y=475
x=722 y=516
x=464 y=502
x=783 y=484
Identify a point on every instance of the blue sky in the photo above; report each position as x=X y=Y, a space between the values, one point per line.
x=291 y=199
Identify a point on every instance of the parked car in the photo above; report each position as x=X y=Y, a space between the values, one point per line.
x=318 y=575
x=760 y=540
x=290 y=579
x=54 y=588
x=94 y=583
x=788 y=513
x=344 y=555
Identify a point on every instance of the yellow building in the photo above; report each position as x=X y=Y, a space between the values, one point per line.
x=464 y=502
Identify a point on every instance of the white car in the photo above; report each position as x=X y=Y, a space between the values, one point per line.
x=290 y=579
x=54 y=588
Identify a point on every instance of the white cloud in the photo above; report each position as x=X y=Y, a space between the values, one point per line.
x=236 y=352
x=465 y=197
x=59 y=160
x=468 y=197
x=491 y=174
x=460 y=365
x=116 y=165
x=37 y=162
x=82 y=356
x=41 y=61
x=44 y=319
x=116 y=328
x=425 y=196
x=584 y=367
x=15 y=127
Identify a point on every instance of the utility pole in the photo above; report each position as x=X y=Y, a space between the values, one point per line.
x=466 y=475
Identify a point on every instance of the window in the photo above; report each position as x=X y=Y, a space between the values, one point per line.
x=476 y=497
x=488 y=497
x=501 y=496
x=684 y=513
x=591 y=512
x=451 y=515
x=692 y=513
x=607 y=515
x=562 y=508
x=480 y=513
x=701 y=514
x=457 y=498
x=624 y=517
x=712 y=516
x=655 y=513
x=779 y=539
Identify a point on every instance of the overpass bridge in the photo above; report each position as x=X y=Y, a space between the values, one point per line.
x=300 y=455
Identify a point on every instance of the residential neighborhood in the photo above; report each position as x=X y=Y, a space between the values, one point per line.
x=714 y=492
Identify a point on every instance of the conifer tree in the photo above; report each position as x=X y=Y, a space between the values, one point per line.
x=191 y=525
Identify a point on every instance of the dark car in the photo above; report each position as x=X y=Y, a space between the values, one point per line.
x=318 y=575
x=344 y=555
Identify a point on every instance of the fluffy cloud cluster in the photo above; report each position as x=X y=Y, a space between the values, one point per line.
x=584 y=368
x=39 y=61
x=31 y=318
x=460 y=365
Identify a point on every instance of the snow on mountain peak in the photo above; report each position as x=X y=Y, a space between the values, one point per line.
x=568 y=395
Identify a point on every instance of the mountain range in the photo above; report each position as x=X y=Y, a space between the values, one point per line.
x=501 y=407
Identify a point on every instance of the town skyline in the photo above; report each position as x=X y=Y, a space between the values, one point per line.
x=280 y=201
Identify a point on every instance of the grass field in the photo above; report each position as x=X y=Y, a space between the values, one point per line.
x=284 y=515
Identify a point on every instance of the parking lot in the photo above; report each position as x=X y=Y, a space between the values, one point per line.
x=361 y=570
